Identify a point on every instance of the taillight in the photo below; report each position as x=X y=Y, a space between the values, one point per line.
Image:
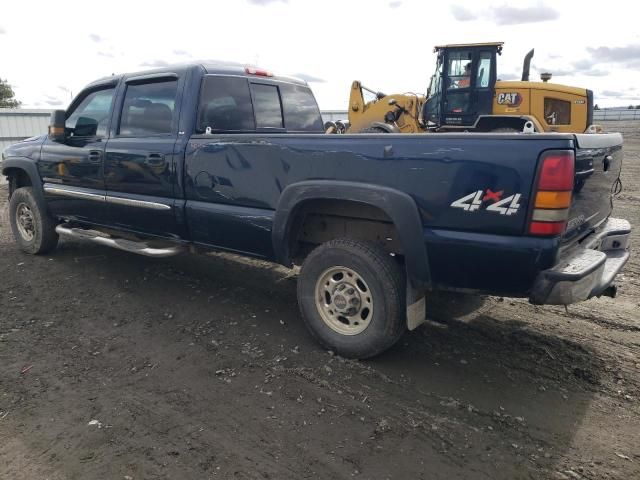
x=258 y=71
x=553 y=193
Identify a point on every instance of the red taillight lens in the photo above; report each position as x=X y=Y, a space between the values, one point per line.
x=553 y=193
x=557 y=171
x=547 y=228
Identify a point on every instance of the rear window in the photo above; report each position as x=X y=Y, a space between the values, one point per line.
x=233 y=104
x=557 y=112
x=267 y=106
x=225 y=105
x=301 y=112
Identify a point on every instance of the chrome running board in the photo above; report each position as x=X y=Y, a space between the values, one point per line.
x=141 y=248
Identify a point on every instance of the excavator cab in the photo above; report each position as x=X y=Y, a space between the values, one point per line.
x=463 y=85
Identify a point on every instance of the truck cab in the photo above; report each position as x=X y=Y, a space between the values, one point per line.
x=466 y=93
x=462 y=86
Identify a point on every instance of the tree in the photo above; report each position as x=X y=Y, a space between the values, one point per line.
x=7 y=97
x=596 y=107
x=637 y=107
x=630 y=107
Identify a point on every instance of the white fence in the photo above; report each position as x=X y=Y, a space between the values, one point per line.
x=616 y=114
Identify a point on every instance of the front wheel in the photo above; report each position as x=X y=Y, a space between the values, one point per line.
x=352 y=297
x=33 y=229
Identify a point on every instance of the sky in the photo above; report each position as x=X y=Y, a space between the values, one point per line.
x=50 y=50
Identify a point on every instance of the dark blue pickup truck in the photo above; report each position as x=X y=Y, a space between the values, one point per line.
x=236 y=159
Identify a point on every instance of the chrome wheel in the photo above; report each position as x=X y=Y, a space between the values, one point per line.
x=344 y=300
x=25 y=222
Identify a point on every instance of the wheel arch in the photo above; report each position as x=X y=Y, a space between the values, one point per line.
x=22 y=169
x=399 y=207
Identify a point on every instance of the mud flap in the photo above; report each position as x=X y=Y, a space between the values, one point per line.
x=416 y=307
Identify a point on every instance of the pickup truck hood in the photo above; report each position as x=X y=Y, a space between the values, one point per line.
x=24 y=148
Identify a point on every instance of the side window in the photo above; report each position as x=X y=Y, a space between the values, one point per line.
x=91 y=117
x=557 y=112
x=266 y=105
x=484 y=70
x=148 y=109
x=225 y=105
x=301 y=112
x=459 y=71
x=436 y=81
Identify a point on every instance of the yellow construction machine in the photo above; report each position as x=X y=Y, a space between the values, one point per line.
x=465 y=94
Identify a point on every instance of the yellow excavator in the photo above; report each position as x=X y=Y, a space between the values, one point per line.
x=466 y=95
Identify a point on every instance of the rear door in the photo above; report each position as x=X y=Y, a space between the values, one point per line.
x=141 y=158
x=72 y=171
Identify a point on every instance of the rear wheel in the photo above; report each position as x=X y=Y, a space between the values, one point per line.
x=33 y=229
x=352 y=298
x=373 y=130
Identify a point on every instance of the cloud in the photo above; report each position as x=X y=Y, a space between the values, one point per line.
x=506 y=15
x=63 y=88
x=612 y=93
x=462 y=14
x=266 y=2
x=395 y=4
x=95 y=38
x=310 y=78
x=155 y=63
x=510 y=76
x=181 y=53
x=52 y=101
x=106 y=54
x=2 y=31
x=628 y=55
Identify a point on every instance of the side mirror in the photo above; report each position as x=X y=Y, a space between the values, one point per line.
x=85 y=127
x=392 y=101
x=56 y=126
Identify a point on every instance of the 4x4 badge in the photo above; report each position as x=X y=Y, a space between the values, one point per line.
x=475 y=201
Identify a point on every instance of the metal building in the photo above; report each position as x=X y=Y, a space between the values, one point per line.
x=18 y=123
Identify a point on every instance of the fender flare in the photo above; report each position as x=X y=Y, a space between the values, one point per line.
x=29 y=167
x=398 y=206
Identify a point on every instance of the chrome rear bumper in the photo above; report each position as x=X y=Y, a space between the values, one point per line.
x=587 y=271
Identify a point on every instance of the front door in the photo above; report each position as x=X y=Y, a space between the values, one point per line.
x=72 y=171
x=141 y=157
x=457 y=107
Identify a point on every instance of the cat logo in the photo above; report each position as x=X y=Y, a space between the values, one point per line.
x=511 y=99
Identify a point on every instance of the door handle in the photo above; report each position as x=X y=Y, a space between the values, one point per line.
x=95 y=156
x=154 y=160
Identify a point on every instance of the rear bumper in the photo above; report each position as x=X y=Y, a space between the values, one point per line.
x=587 y=271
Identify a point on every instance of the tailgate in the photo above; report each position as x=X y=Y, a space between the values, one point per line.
x=597 y=174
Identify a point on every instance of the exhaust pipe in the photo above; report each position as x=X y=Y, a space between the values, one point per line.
x=526 y=65
x=141 y=248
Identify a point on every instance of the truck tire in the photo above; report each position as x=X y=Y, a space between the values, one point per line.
x=373 y=130
x=33 y=229
x=351 y=295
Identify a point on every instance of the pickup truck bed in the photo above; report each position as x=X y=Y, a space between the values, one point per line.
x=392 y=216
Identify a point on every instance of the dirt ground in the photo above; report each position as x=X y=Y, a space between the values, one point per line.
x=114 y=366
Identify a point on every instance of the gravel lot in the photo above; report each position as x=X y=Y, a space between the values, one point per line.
x=114 y=366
